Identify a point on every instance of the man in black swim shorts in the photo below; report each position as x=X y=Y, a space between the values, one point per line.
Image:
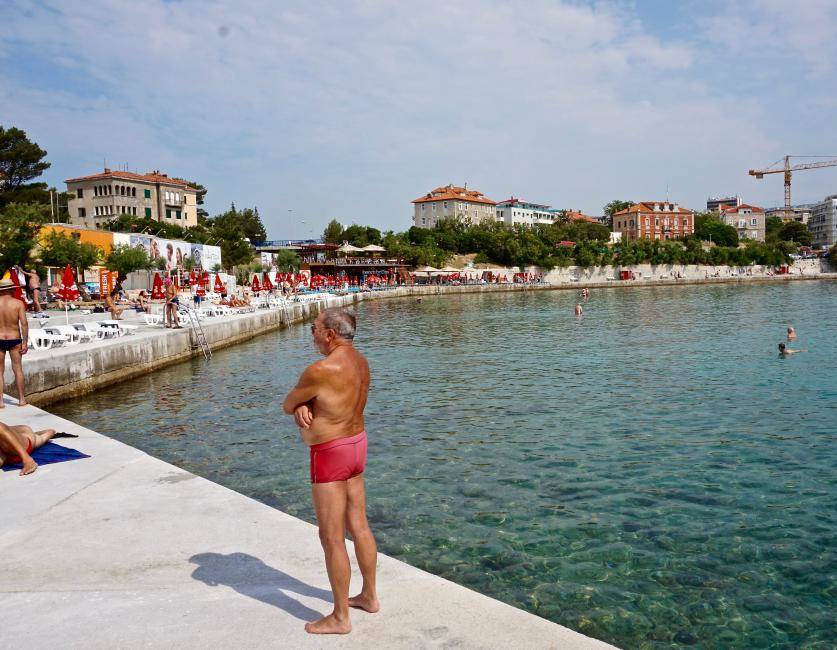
x=14 y=337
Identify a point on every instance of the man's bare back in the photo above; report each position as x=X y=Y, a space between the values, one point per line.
x=12 y=313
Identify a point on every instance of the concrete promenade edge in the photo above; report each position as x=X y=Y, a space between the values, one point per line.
x=122 y=550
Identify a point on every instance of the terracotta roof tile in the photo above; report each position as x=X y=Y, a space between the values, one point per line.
x=648 y=206
x=453 y=193
x=736 y=208
x=151 y=177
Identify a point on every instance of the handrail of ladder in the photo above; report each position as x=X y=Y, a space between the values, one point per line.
x=197 y=328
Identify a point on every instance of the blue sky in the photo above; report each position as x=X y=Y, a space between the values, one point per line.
x=349 y=110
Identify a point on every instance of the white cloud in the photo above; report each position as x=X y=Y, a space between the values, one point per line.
x=351 y=110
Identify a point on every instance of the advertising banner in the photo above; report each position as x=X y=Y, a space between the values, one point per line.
x=268 y=261
x=206 y=256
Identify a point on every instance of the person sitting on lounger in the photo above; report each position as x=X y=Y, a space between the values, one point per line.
x=142 y=304
x=17 y=442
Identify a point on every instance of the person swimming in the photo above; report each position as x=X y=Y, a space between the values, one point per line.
x=785 y=351
x=578 y=309
x=791 y=333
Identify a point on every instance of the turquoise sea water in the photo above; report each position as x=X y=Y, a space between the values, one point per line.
x=651 y=474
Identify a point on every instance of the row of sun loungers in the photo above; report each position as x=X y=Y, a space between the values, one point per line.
x=51 y=336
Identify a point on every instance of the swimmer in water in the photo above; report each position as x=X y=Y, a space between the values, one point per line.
x=785 y=351
x=791 y=333
x=578 y=310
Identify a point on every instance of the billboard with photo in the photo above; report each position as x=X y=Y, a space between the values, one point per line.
x=268 y=261
x=206 y=256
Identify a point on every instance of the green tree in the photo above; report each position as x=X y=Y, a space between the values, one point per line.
x=227 y=228
x=58 y=249
x=251 y=224
x=613 y=207
x=333 y=233
x=126 y=259
x=21 y=160
x=19 y=228
x=772 y=226
x=287 y=261
x=795 y=231
x=708 y=227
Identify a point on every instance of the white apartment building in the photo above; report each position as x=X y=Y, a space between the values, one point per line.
x=516 y=211
x=98 y=198
x=823 y=222
x=748 y=220
x=800 y=213
x=452 y=201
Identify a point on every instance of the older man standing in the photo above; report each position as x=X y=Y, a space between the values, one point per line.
x=14 y=337
x=327 y=404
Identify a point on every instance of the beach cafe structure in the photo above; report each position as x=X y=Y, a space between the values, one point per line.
x=333 y=265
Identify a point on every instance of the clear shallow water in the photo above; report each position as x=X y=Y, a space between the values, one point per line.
x=651 y=474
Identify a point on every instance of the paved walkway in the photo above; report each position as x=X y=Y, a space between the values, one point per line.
x=124 y=550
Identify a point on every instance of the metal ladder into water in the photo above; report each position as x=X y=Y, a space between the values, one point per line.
x=200 y=337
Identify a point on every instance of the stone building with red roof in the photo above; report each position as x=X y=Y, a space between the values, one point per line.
x=658 y=220
x=748 y=220
x=155 y=196
x=452 y=201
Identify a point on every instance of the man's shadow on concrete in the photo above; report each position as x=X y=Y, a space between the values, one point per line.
x=251 y=577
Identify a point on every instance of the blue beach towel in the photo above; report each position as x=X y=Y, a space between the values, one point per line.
x=48 y=454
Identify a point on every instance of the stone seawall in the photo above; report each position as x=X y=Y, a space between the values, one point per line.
x=66 y=372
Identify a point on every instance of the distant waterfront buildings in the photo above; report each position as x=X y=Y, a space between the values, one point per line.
x=452 y=201
x=800 y=213
x=515 y=211
x=823 y=222
x=719 y=203
x=748 y=221
x=98 y=198
x=659 y=220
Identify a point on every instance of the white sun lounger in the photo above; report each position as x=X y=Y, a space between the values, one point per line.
x=96 y=328
x=43 y=340
x=124 y=328
x=74 y=336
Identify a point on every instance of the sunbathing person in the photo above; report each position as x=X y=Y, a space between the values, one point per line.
x=17 y=442
x=110 y=301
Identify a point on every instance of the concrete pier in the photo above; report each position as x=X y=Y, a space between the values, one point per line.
x=121 y=550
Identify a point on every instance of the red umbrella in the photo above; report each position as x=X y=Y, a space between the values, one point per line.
x=205 y=279
x=254 y=285
x=219 y=286
x=201 y=290
x=193 y=276
x=157 y=288
x=17 y=292
x=68 y=291
x=267 y=285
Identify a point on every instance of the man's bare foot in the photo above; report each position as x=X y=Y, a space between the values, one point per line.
x=328 y=625
x=29 y=466
x=22 y=402
x=365 y=603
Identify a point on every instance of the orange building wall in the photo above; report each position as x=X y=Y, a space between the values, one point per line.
x=101 y=238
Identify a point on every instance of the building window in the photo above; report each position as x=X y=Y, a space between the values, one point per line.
x=82 y=213
x=147 y=212
x=80 y=193
x=177 y=214
x=754 y=222
x=147 y=194
x=657 y=221
x=168 y=214
x=133 y=191
x=632 y=223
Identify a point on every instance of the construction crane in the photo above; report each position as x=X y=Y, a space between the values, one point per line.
x=787 y=168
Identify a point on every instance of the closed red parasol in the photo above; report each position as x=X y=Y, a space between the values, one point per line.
x=157 y=288
x=254 y=285
x=267 y=285
x=17 y=292
x=193 y=277
x=219 y=286
x=68 y=291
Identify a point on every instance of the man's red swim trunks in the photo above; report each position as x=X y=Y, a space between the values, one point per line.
x=14 y=459
x=338 y=460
